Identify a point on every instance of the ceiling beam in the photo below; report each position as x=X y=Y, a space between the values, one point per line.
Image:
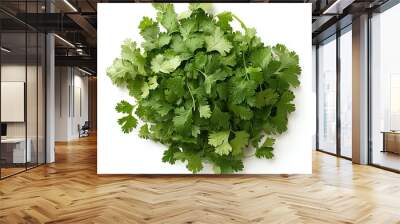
x=79 y=61
x=337 y=6
x=84 y=24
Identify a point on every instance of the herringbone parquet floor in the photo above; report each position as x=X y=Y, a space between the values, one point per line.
x=69 y=191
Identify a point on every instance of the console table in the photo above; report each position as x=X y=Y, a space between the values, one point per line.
x=13 y=150
x=391 y=141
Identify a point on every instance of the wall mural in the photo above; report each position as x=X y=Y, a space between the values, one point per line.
x=209 y=93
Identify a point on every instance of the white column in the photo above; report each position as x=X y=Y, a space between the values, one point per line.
x=50 y=99
x=360 y=90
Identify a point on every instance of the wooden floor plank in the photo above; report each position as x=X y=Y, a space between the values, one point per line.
x=70 y=191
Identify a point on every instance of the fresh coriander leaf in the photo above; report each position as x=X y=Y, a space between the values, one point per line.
x=124 y=107
x=194 y=163
x=223 y=149
x=207 y=7
x=121 y=71
x=188 y=26
x=167 y=16
x=266 y=97
x=182 y=117
x=169 y=154
x=148 y=28
x=266 y=152
x=240 y=89
x=217 y=42
x=243 y=112
x=153 y=82
x=224 y=19
x=205 y=111
x=128 y=123
x=144 y=132
x=220 y=120
x=165 y=65
x=239 y=142
x=261 y=57
x=220 y=141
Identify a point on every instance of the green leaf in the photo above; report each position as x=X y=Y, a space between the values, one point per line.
x=219 y=119
x=286 y=58
x=167 y=16
x=195 y=131
x=269 y=142
x=169 y=154
x=121 y=71
x=145 y=90
x=144 y=132
x=128 y=123
x=220 y=141
x=148 y=28
x=218 y=138
x=205 y=111
x=264 y=152
x=217 y=42
x=240 y=89
x=223 y=149
x=290 y=75
x=206 y=7
x=255 y=75
x=165 y=65
x=266 y=97
x=239 y=142
x=226 y=164
x=188 y=26
x=153 y=82
x=194 y=161
x=124 y=107
x=261 y=57
x=243 y=112
x=130 y=53
x=183 y=116
x=212 y=79
x=194 y=42
x=224 y=19
x=135 y=87
x=200 y=60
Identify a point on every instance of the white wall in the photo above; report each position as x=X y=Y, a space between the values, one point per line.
x=16 y=73
x=71 y=96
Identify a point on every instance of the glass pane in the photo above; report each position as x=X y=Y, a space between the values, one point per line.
x=346 y=93
x=13 y=89
x=386 y=89
x=32 y=95
x=327 y=96
x=41 y=98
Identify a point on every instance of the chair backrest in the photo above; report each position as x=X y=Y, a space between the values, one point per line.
x=86 y=124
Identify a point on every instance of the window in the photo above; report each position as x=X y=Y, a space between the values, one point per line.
x=327 y=95
x=22 y=77
x=385 y=89
x=346 y=92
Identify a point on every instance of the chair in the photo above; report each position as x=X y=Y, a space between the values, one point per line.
x=84 y=130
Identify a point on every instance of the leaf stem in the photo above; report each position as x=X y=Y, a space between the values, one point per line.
x=194 y=104
x=204 y=74
x=240 y=21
